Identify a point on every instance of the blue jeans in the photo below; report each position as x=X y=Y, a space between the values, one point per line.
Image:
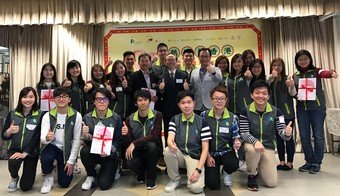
x=314 y=119
x=47 y=157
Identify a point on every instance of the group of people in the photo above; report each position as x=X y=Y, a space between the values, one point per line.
x=198 y=117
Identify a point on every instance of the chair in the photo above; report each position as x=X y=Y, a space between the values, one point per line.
x=333 y=124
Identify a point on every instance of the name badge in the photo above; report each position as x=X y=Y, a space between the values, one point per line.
x=30 y=127
x=179 y=81
x=119 y=88
x=224 y=129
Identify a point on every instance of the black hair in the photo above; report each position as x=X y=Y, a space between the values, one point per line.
x=145 y=94
x=188 y=50
x=233 y=60
x=219 y=88
x=23 y=93
x=42 y=79
x=95 y=80
x=114 y=80
x=183 y=94
x=222 y=57
x=161 y=45
x=300 y=53
x=262 y=75
x=61 y=90
x=128 y=53
x=246 y=52
x=144 y=55
x=103 y=91
x=259 y=84
x=80 y=79
x=204 y=49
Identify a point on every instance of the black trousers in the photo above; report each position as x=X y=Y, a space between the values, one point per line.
x=212 y=174
x=28 y=173
x=107 y=171
x=144 y=160
x=286 y=146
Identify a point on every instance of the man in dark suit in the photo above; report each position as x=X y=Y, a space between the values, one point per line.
x=143 y=78
x=173 y=81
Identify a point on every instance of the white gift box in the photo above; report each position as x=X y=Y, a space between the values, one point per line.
x=102 y=140
x=307 y=89
x=46 y=100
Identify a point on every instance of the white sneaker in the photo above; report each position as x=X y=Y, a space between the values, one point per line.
x=76 y=169
x=48 y=184
x=227 y=179
x=88 y=183
x=242 y=166
x=172 y=185
x=13 y=184
x=117 y=175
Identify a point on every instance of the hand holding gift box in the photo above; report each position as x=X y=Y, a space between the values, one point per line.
x=46 y=101
x=102 y=140
x=307 y=89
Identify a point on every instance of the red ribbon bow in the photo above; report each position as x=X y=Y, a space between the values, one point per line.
x=103 y=138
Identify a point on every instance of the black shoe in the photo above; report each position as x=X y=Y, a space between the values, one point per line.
x=286 y=167
x=141 y=178
x=151 y=184
x=279 y=167
x=252 y=183
x=314 y=169
x=305 y=168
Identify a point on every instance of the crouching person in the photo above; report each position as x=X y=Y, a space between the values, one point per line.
x=225 y=138
x=101 y=117
x=188 y=143
x=142 y=132
x=259 y=123
x=60 y=138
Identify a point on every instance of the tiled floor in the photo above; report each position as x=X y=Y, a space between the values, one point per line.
x=326 y=183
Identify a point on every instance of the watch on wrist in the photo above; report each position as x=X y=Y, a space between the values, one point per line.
x=199 y=170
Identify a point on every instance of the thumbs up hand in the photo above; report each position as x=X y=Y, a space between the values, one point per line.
x=290 y=82
x=289 y=129
x=85 y=131
x=274 y=73
x=67 y=83
x=333 y=73
x=50 y=136
x=211 y=69
x=124 y=82
x=185 y=85
x=12 y=129
x=88 y=86
x=248 y=74
x=124 y=129
x=162 y=85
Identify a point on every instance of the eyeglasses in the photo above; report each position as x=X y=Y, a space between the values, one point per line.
x=219 y=98
x=61 y=97
x=102 y=99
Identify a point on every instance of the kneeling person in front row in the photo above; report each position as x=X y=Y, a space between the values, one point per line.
x=101 y=117
x=188 y=143
x=60 y=138
x=142 y=132
x=225 y=138
x=259 y=123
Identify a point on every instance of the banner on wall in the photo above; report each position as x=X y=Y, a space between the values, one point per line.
x=221 y=39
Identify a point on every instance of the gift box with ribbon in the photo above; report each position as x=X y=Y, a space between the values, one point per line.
x=102 y=140
x=307 y=89
x=46 y=101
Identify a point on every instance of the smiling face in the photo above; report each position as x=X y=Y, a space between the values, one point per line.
x=223 y=65
x=120 y=70
x=142 y=104
x=303 y=61
x=97 y=73
x=277 y=66
x=74 y=71
x=260 y=96
x=101 y=102
x=48 y=72
x=188 y=58
x=129 y=60
x=187 y=105
x=144 y=63
x=238 y=64
x=170 y=62
x=256 y=69
x=218 y=100
x=204 y=57
x=28 y=100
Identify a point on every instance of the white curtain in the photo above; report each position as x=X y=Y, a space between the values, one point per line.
x=29 y=50
x=28 y=12
x=83 y=43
